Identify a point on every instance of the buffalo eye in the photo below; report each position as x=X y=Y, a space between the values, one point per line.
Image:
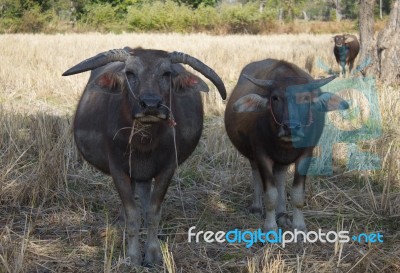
x=275 y=98
x=131 y=76
x=167 y=74
x=307 y=99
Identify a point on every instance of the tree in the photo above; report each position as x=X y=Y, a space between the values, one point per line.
x=349 y=9
x=382 y=54
x=388 y=47
x=368 y=45
x=338 y=9
x=197 y=3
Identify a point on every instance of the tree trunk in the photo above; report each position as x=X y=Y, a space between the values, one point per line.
x=368 y=52
x=338 y=10
x=280 y=16
x=388 y=47
x=306 y=18
x=262 y=6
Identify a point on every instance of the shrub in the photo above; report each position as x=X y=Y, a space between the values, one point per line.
x=100 y=16
x=33 y=20
x=241 y=18
x=206 y=18
x=156 y=15
x=159 y=16
x=10 y=25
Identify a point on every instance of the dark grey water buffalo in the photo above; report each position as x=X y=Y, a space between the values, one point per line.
x=346 y=50
x=140 y=115
x=275 y=117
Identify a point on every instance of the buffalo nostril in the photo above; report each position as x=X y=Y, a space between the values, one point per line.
x=142 y=104
x=150 y=101
x=292 y=125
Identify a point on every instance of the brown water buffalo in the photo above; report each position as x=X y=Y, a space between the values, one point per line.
x=275 y=117
x=346 y=50
x=139 y=116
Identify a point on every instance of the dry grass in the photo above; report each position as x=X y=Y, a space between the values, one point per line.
x=56 y=212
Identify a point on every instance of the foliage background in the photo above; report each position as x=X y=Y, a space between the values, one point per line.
x=184 y=16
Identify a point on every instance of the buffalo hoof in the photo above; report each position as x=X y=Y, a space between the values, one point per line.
x=301 y=240
x=135 y=260
x=283 y=220
x=299 y=248
x=272 y=227
x=152 y=257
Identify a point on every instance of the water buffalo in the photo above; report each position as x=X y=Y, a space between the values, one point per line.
x=275 y=117
x=346 y=50
x=139 y=116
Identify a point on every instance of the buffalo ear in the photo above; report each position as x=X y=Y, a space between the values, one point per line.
x=250 y=103
x=186 y=82
x=329 y=102
x=110 y=82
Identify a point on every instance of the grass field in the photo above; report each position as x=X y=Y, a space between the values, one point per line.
x=57 y=212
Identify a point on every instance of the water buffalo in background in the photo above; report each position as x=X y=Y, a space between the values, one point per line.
x=125 y=126
x=346 y=50
x=275 y=117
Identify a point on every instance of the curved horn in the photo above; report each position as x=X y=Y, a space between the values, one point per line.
x=348 y=38
x=114 y=55
x=259 y=82
x=179 y=57
x=312 y=85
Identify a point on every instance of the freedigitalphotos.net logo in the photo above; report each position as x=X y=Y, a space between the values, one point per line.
x=251 y=237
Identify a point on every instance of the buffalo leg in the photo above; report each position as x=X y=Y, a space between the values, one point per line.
x=280 y=179
x=351 y=65
x=257 y=204
x=298 y=192
x=132 y=212
x=298 y=197
x=342 y=70
x=265 y=165
x=153 y=251
x=143 y=189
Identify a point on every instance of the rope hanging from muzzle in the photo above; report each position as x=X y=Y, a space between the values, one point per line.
x=172 y=122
